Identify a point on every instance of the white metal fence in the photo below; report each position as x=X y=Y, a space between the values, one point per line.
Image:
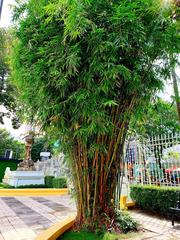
x=154 y=161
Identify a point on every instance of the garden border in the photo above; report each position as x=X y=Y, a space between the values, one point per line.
x=33 y=192
x=57 y=229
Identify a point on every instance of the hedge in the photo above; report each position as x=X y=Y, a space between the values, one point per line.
x=52 y=182
x=32 y=186
x=49 y=181
x=59 y=183
x=154 y=198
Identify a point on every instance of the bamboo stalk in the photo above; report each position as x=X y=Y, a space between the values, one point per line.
x=114 y=120
x=80 y=167
x=80 y=213
x=115 y=151
x=94 y=160
x=95 y=187
x=101 y=179
x=120 y=134
x=87 y=179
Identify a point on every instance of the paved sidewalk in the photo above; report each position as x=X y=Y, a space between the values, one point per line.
x=23 y=218
x=156 y=228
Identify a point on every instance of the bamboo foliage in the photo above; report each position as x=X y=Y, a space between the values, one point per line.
x=82 y=67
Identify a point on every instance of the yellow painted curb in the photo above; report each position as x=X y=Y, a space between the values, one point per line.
x=124 y=204
x=56 y=230
x=33 y=192
x=123 y=201
x=131 y=204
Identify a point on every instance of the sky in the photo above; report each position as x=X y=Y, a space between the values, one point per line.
x=6 y=15
x=5 y=21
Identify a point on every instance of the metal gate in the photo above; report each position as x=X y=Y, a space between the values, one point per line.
x=153 y=161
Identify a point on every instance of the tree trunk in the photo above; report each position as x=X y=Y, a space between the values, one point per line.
x=176 y=92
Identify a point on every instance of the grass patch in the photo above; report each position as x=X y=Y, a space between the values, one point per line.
x=79 y=236
x=93 y=236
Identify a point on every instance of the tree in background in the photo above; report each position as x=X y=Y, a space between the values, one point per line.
x=158 y=117
x=8 y=142
x=81 y=68
x=3 y=70
x=40 y=145
x=7 y=91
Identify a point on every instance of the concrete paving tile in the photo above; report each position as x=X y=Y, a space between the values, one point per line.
x=22 y=218
x=1 y=237
x=157 y=225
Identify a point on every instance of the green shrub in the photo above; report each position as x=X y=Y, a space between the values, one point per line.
x=49 y=181
x=125 y=222
x=4 y=165
x=154 y=198
x=3 y=185
x=32 y=186
x=25 y=186
x=59 y=183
